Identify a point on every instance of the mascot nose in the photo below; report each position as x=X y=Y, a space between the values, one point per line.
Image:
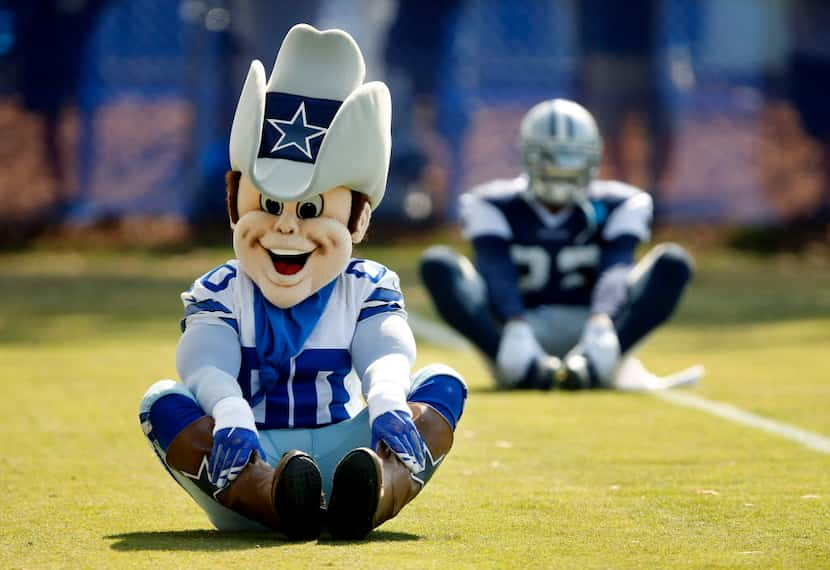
x=286 y=223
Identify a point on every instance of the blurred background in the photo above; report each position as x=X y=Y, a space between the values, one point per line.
x=115 y=114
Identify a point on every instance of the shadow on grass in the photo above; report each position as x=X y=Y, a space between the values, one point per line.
x=213 y=540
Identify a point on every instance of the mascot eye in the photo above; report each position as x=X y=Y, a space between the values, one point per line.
x=311 y=208
x=270 y=206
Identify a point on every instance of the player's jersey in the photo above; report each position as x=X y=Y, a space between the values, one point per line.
x=557 y=256
x=318 y=386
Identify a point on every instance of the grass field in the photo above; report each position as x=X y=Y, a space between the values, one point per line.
x=583 y=480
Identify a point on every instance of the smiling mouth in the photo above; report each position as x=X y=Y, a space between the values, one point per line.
x=288 y=264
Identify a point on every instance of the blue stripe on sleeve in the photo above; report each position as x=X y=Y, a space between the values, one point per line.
x=619 y=251
x=208 y=305
x=384 y=294
x=372 y=311
x=232 y=322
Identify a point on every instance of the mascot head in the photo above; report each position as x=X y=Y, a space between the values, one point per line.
x=309 y=155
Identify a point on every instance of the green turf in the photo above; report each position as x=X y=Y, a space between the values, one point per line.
x=592 y=480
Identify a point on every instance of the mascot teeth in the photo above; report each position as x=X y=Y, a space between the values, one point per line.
x=289 y=252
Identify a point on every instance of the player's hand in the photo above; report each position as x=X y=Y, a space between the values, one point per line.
x=517 y=350
x=600 y=345
x=397 y=430
x=232 y=450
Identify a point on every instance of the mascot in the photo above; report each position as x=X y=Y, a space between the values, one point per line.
x=297 y=407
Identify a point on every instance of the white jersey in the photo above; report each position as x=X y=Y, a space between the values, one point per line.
x=318 y=385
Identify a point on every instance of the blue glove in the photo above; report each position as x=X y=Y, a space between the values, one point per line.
x=232 y=449
x=397 y=430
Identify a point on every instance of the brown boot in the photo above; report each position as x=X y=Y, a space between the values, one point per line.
x=370 y=488
x=285 y=498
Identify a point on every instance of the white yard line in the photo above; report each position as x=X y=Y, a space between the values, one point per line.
x=814 y=441
x=439 y=333
x=436 y=333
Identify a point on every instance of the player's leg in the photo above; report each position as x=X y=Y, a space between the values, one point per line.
x=371 y=488
x=460 y=297
x=655 y=286
x=260 y=497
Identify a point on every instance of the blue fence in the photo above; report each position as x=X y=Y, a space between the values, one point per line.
x=694 y=99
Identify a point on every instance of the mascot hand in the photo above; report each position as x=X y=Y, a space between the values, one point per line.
x=397 y=430
x=517 y=350
x=234 y=440
x=232 y=450
x=600 y=345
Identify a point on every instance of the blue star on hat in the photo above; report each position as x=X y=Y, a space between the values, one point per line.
x=296 y=132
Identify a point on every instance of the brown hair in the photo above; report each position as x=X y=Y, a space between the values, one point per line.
x=359 y=200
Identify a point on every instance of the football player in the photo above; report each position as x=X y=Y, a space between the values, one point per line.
x=555 y=297
x=297 y=407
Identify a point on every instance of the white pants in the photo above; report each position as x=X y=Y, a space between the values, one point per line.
x=557 y=327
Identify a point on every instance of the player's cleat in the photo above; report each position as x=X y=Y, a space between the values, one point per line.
x=297 y=496
x=355 y=494
x=575 y=374
x=542 y=375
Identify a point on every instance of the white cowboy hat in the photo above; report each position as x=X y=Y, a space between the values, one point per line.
x=315 y=125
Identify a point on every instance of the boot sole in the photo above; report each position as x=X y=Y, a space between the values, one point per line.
x=355 y=495
x=297 y=498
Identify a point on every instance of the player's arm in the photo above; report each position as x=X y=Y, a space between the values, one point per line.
x=518 y=347
x=489 y=232
x=599 y=342
x=493 y=261
x=383 y=351
x=616 y=260
x=491 y=236
x=626 y=227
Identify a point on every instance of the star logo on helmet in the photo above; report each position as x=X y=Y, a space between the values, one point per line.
x=296 y=132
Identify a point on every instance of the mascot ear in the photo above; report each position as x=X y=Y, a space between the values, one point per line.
x=362 y=223
x=231 y=193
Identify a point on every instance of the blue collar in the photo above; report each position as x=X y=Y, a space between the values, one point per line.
x=281 y=333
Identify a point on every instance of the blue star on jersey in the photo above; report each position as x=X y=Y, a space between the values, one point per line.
x=296 y=132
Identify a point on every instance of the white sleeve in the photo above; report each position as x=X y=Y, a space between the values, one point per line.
x=211 y=299
x=383 y=351
x=208 y=358
x=481 y=218
x=632 y=217
x=378 y=290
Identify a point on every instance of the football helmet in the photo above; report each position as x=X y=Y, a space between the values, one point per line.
x=560 y=148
